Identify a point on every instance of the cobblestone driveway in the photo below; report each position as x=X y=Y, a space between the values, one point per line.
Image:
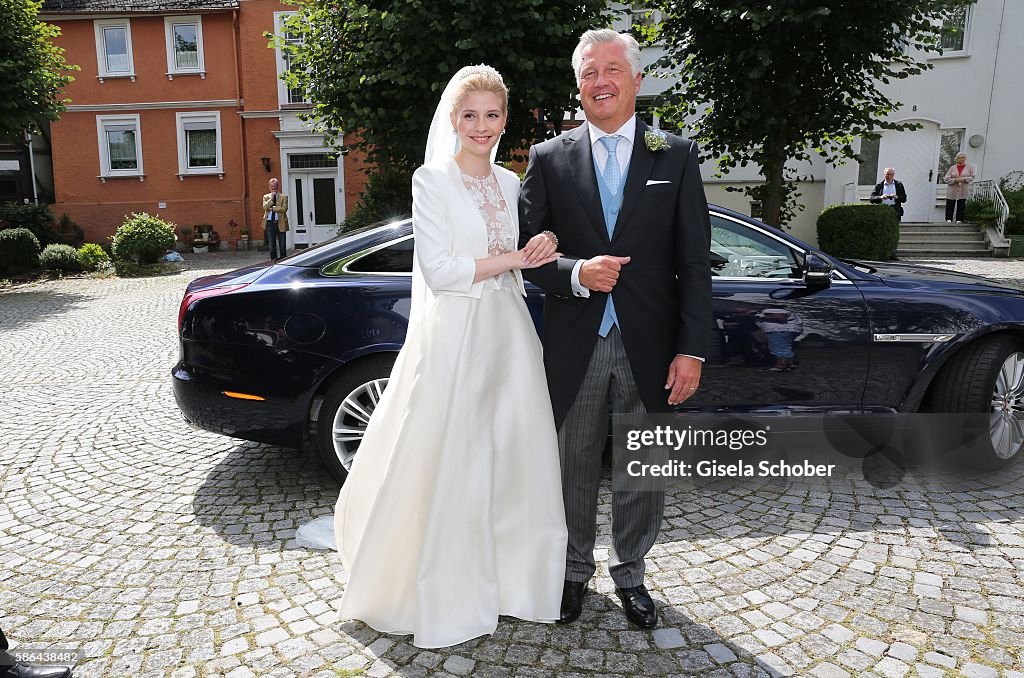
x=163 y=551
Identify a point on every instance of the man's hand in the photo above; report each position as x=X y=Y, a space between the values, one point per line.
x=601 y=273
x=683 y=378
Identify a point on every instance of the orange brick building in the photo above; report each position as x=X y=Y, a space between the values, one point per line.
x=181 y=112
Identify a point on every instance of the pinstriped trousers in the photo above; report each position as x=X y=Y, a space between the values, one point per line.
x=636 y=516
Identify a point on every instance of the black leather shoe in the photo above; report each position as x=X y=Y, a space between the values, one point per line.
x=21 y=670
x=638 y=606
x=572 y=601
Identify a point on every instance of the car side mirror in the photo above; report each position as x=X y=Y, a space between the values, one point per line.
x=817 y=271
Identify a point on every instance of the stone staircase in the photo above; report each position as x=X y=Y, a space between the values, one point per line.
x=941 y=240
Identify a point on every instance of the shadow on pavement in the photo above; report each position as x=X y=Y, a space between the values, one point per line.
x=258 y=495
x=23 y=308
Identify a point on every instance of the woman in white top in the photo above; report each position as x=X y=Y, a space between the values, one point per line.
x=452 y=514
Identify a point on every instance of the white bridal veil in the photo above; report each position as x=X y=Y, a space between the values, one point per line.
x=442 y=144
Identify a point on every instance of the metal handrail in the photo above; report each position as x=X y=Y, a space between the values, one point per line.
x=988 y=190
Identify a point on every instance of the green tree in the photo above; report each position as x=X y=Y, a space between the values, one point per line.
x=33 y=72
x=377 y=68
x=764 y=83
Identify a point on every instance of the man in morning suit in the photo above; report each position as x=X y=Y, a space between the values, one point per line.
x=627 y=309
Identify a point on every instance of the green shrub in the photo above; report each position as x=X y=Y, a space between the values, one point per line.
x=36 y=218
x=19 y=249
x=978 y=211
x=142 y=238
x=859 y=231
x=388 y=196
x=1015 y=221
x=70 y=232
x=58 y=257
x=92 y=255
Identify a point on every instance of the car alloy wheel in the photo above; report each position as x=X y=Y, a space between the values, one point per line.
x=351 y=419
x=346 y=409
x=1006 y=424
x=986 y=377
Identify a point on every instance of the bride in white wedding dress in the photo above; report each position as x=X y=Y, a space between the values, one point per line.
x=452 y=514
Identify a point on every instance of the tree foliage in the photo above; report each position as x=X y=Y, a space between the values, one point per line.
x=33 y=72
x=377 y=68
x=763 y=82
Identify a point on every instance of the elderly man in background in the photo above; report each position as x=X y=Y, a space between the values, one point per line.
x=275 y=216
x=890 y=192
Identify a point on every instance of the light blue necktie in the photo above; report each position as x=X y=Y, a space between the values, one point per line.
x=612 y=174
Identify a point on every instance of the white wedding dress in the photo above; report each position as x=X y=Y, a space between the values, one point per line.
x=452 y=514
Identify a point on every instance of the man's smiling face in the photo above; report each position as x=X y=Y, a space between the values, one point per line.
x=608 y=87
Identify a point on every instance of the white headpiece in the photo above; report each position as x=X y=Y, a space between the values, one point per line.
x=441 y=142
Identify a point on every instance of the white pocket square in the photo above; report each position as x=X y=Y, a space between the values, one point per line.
x=655 y=182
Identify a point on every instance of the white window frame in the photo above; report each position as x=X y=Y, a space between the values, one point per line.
x=966 y=51
x=101 y=48
x=172 y=67
x=282 y=63
x=103 y=123
x=181 y=119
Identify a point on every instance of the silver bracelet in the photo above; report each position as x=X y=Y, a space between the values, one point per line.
x=551 y=235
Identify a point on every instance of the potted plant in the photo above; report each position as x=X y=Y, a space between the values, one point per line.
x=203 y=232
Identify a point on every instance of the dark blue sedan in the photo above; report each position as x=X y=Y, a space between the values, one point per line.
x=303 y=348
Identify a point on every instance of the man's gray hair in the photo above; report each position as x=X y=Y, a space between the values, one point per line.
x=604 y=36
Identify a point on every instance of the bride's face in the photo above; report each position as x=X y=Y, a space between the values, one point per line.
x=479 y=121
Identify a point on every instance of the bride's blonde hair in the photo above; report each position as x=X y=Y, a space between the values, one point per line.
x=482 y=79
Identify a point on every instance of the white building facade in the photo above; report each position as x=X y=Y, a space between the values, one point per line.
x=972 y=100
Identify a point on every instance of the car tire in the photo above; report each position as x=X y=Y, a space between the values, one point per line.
x=986 y=377
x=346 y=409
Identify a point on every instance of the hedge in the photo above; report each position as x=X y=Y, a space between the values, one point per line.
x=869 y=232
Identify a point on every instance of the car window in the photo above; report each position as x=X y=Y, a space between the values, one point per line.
x=395 y=258
x=738 y=251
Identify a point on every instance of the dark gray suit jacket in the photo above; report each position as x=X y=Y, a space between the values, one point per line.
x=663 y=296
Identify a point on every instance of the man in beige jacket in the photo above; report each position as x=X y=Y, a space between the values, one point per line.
x=275 y=219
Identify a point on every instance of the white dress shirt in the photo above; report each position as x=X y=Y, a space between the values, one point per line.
x=889 y=192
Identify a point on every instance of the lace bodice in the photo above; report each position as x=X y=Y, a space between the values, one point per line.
x=501 y=232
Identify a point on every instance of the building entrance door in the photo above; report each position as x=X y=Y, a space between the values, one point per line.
x=315 y=200
x=913 y=155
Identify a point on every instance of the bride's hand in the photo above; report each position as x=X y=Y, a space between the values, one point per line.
x=540 y=248
x=518 y=260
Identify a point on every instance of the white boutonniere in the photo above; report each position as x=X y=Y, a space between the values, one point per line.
x=656 y=140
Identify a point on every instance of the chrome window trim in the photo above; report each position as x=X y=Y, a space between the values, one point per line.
x=353 y=258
